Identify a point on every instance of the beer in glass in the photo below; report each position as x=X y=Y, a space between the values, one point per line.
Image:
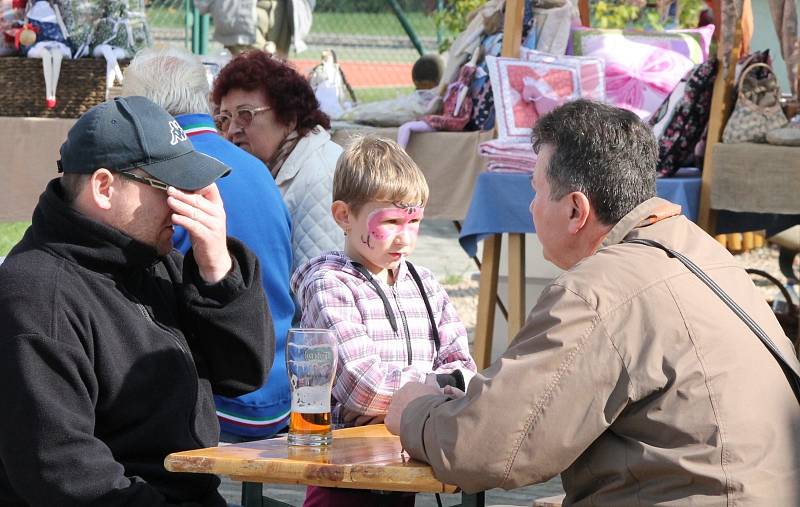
x=311 y=364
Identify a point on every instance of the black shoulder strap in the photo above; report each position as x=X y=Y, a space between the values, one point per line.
x=791 y=374
x=418 y=281
x=386 y=306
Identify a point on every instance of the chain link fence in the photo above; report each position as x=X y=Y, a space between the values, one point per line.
x=170 y=22
x=372 y=47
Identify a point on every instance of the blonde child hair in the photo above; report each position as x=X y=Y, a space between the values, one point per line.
x=373 y=168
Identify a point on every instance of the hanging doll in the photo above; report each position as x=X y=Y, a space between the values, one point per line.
x=49 y=45
x=119 y=33
x=78 y=17
x=330 y=86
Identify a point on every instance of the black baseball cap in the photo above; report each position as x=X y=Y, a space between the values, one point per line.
x=134 y=133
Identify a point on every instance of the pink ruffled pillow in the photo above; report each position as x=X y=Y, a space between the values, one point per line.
x=642 y=68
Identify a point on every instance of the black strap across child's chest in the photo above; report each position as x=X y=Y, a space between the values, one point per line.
x=388 y=308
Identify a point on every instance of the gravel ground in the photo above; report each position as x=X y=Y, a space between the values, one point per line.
x=766 y=259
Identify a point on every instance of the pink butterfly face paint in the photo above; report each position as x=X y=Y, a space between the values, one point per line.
x=386 y=224
x=382 y=234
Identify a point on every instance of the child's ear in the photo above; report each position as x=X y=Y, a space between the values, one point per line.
x=342 y=214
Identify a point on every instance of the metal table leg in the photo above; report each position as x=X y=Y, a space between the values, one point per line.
x=473 y=499
x=253 y=496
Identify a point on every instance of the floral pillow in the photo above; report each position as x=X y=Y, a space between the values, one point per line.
x=680 y=123
x=642 y=68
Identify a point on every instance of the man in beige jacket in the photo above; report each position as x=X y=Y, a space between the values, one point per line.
x=631 y=378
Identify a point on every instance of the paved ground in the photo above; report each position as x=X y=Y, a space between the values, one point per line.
x=438 y=250
x=294 y=495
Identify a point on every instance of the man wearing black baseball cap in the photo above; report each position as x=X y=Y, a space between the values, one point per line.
x=111 y=343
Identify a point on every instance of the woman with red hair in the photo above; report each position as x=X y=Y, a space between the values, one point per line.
x=269 y=109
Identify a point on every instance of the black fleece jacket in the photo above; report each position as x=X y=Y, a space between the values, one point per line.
x=108 y=358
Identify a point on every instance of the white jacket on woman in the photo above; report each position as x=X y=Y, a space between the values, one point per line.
x=306 y=182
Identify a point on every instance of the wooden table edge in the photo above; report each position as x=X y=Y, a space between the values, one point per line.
x=287 y=472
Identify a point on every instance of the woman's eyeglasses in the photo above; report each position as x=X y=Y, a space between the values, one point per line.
x=244 y=117
x=147 y=181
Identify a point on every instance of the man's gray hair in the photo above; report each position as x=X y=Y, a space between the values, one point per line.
x=171 y=77
x=605 y=152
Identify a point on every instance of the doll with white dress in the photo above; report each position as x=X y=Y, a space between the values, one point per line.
x=50 y=44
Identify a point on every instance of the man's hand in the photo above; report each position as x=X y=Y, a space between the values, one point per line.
x=356 y=419
x=402 y=398
x=202 y=215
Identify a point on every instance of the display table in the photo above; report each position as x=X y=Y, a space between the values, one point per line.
x=759 y=178
x=450 y=161
x=500 y=205
x=30 y=149
x=755 y=187
x=367 y=457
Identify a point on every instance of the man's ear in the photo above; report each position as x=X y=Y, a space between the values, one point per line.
x=342 y=214
x=580 y=210
x=101 y=188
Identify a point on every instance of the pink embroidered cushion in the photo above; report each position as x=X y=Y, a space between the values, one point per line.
x=521 y=88
x=642 y=68
x=591 y=70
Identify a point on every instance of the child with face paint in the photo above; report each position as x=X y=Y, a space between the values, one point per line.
x=394 y=323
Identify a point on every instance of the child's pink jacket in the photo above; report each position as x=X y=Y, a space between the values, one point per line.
x=375 y=361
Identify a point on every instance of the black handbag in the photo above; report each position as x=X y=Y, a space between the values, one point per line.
x=791 y=375
x=788 y=316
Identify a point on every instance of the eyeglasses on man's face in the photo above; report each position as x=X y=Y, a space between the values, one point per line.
x=243 y=116
x=144 y=180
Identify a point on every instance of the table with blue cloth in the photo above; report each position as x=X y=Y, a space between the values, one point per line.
x=499 y=205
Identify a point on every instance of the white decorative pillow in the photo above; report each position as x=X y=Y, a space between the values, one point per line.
x=591 y=70
x=518 y=86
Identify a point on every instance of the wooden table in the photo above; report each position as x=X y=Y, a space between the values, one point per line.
x=367 y=457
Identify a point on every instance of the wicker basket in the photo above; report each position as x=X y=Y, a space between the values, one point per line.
x=81 y=85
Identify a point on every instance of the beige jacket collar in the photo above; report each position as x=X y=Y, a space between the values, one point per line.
x=647 y=213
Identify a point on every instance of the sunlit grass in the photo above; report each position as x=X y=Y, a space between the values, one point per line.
x=10 y=234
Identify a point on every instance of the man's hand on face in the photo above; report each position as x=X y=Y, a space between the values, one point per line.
x=402 y=398
x=202 y=215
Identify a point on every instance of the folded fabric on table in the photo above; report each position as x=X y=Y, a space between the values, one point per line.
x=508 y=157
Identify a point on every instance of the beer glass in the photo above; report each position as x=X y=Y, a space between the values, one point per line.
x=311 y=364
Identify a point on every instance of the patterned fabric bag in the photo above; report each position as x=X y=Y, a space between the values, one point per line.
x=457 y=108
x=758 y=108
x=680 y=122
x=480 y=91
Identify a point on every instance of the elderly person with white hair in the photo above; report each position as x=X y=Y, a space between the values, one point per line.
x=176 y=80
